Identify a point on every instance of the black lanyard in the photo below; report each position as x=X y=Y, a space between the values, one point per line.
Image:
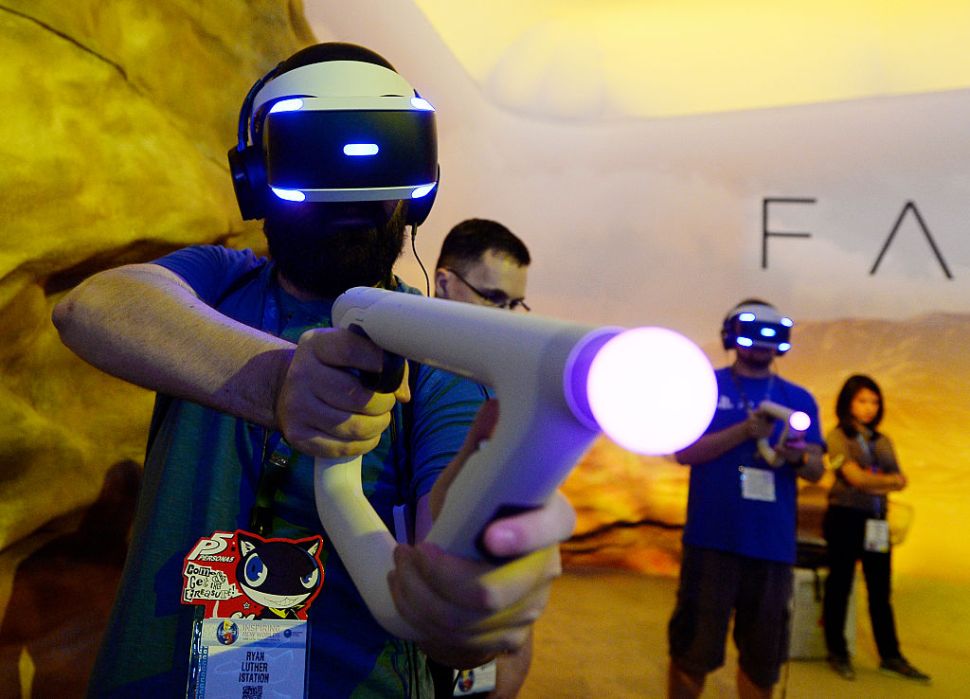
x=744 y=398
x=276 y=456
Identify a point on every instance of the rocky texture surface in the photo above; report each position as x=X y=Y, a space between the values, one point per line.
x=117 y=118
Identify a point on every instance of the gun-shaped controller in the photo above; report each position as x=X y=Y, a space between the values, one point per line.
x=558 y=384
x=792 y=420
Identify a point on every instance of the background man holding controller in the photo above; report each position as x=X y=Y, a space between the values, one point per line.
x=739 y=538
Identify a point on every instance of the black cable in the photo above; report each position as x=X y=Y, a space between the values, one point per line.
x=414 y=248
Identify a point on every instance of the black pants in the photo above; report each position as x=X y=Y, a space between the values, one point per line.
x=845 y=531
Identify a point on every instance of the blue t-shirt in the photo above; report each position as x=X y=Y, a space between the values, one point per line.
x=718 y=516
x=201 y=476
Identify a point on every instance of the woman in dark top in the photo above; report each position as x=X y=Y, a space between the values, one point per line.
x=856 y=528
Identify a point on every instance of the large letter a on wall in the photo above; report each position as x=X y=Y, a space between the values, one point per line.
x=910 y=206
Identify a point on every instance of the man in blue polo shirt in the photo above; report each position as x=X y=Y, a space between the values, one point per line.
x=252 y=384
x=739 y=538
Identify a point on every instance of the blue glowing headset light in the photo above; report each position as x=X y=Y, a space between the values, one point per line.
x=291 y=105
x=423 y=190
x=757 y=326
x=289 y=194
x=421 y=103
x=359 y=149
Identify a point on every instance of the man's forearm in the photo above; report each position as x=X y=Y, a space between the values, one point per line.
x=142 y=323
x=713 y=445
x=812 y=467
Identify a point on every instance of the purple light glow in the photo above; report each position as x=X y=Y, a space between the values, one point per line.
x=651 y=390
x=800 y=421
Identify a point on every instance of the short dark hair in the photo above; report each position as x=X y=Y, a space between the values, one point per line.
x=843 y=404
x=469 y=240
x=332 y=51
x=750 y=302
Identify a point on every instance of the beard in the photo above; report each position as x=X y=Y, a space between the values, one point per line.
x=756 y=359
x=326 y=248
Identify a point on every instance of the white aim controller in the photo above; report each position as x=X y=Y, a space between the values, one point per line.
x=792 y=420
x=558 y=384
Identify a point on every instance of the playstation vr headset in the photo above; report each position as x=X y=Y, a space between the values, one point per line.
x=335 y=123
x=757 y=325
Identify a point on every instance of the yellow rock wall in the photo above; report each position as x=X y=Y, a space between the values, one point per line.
x=117 y=118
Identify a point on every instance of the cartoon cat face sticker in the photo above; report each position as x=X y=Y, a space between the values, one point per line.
x=279 y=575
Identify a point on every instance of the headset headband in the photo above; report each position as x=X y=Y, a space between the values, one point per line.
x=758 y=311
x=344 y=79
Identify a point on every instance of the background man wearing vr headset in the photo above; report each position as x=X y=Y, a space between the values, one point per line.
x=252 y=383
x=739 y=538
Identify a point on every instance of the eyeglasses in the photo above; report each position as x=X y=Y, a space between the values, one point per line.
x=496 y=298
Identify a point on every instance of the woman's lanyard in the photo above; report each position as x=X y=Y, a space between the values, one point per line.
x=873 y=468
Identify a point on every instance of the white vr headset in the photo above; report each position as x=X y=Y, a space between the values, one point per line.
x=335 y=131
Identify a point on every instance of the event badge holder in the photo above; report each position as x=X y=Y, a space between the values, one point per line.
x=477 y=680
x=250 y=635
x=757 y=484
x=877 y=535
x=877 y=528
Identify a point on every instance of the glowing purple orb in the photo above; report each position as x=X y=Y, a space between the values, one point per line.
x=651 y=390
x=800 y=421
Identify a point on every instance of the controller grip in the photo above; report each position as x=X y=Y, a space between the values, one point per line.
x=501 y=512
x=360 y=537
x=389 y=377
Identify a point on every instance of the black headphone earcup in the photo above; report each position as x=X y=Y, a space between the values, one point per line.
x=727 y=337
x=418 y=209
x=249 y=181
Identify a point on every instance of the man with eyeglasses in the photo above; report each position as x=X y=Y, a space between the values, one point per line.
x=484 y=263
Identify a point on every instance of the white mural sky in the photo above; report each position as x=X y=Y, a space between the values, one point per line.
x=636 y=219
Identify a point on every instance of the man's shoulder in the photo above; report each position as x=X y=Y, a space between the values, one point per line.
x=210 y=260
x=433 y=382
x=213 y=271
x=405 y=288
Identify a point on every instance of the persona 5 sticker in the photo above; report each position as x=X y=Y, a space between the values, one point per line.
x=242 y=575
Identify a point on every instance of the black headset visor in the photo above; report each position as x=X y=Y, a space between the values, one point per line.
x=350 y=149
x=759 y=333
